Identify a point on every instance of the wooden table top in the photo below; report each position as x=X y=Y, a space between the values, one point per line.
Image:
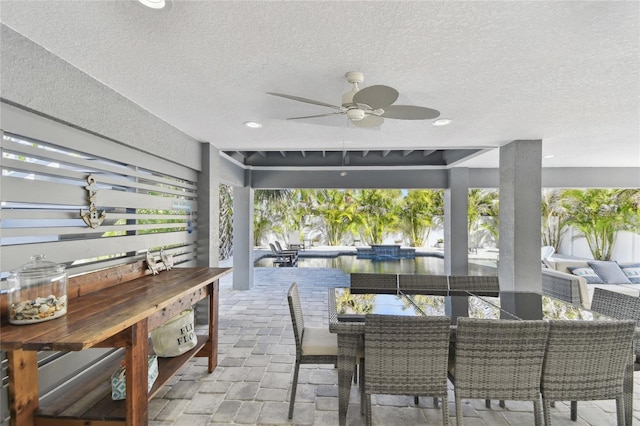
x=97 y=316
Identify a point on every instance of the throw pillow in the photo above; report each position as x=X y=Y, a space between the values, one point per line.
x=609 y=272
x=587 y=273
x=632 y=272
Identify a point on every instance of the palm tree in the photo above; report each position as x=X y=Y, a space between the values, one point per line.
x=599 y=214
x=421 y=211
x=268 y=212
x=482 y=210
x=554 y=218
x=379 y=211
x=337 y=213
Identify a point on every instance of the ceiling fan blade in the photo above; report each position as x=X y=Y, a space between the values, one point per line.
x=369 y=121
x=376 y=96
x=315 y=116
x=305 y=100
x=409 y=112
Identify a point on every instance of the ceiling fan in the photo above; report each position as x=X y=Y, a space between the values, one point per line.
x=367 y=107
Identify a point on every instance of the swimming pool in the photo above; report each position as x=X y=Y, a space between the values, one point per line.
x=431 y=265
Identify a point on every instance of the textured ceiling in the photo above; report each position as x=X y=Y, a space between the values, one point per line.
x=564 y=72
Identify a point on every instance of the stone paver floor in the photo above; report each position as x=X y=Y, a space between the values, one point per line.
x=252 y=382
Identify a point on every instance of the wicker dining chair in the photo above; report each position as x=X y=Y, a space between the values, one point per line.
x=585 y=361
x=380 y=283
x=480 y=284
x=406 y=355
x=314 y=345
x=588 y=360
x=423 y=284
x=498 y=359
x=618 y=305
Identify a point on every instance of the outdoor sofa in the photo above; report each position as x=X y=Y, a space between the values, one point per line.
x=575 y=280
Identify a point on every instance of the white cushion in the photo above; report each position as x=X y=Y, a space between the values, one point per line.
x=319 y=341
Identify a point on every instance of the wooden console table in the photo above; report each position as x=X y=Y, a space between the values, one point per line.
x=118 y=312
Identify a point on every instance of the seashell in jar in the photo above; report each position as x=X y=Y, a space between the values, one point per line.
x=63 y=300
x=44 y=308
x=31 y=312
x=40 y=301
x=20 y=307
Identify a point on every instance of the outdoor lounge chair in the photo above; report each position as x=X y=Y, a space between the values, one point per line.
x=283 y=259
x=287 y=252
x=295 y=243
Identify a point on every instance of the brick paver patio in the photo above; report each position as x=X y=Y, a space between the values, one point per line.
x=252 y=382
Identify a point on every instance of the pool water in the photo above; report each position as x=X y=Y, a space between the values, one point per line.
x=426 y=265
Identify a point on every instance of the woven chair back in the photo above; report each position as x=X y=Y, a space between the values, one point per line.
x=423 y=284
x=499 y=359
x=381 y=283
x=482 y=285
x=598 y=353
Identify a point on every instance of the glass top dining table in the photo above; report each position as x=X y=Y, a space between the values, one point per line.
x=348 y=307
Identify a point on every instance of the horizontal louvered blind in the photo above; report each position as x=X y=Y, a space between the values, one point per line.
x=47 y=188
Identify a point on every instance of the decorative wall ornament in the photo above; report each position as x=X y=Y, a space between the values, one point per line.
x=167 y=260
x=92 y=218
x=152 y=264
x=157 y=264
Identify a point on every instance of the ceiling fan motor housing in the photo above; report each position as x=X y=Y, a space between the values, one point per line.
x=355 y=78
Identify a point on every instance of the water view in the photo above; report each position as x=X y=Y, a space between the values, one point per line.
x=419 y=265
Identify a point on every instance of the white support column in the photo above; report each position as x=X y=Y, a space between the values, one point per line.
x=520 y=218
x=209 y=208
x=242 y=238
x=456 y=239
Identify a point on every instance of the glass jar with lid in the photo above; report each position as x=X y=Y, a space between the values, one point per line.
x=37 y=292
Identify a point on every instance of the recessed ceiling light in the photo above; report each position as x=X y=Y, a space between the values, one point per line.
x=252 y=124
x=549 y=156
x=154 y=4
x=442 y=122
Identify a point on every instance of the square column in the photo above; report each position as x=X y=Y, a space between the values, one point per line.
x=242 y=237
x=456 y=238
x=520 y=216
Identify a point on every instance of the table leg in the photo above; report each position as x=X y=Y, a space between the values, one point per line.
x=347 y=345
x=214 y=289
x=23 y=386
x=137 y=364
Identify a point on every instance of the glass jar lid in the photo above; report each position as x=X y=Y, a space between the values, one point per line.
x=39 y=267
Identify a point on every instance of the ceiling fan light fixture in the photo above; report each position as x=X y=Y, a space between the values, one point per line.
x=442 y=122
x=252 y=124
x=355 y=114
